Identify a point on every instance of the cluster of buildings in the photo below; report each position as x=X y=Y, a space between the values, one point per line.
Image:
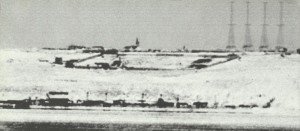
x=99 y=49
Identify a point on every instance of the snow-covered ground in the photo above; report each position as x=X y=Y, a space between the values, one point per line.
x=144 y=60
x=255 y=79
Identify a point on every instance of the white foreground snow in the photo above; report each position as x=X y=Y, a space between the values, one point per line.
x=256 y=78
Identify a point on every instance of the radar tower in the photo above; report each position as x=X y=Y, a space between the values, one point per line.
x=248 y=42
x=280 y=40
x=231 y=43
x=264 y=46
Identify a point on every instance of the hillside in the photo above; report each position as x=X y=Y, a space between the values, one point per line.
x=256 y=78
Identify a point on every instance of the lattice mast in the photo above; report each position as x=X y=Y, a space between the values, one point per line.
x=280 y=40
x=264 y=37
x=248 y=41
x=137 y=42
x=231 y=41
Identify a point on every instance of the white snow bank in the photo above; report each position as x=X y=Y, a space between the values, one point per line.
x=255 y=79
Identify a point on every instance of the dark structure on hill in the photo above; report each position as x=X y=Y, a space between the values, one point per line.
x=132 y=47
x=94 y=49
x=74 y=47
x=111 y=51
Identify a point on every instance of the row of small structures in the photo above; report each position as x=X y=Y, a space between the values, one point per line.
x=53 y=101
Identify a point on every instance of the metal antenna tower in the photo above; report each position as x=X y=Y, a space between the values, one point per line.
x=231 y=43
x=264 y=38
x=248 y=42
x=280 y=40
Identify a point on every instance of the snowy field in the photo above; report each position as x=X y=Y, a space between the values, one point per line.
x=255 y=79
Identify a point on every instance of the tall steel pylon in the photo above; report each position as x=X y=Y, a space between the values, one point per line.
x=264 y=46
x=248 y=41
x=231 y=42
x=280 y=40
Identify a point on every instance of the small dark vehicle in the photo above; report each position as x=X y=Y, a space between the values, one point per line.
x=103 y=65
x=70 y=63
x=111 y=51
x=233 y=56
x=182 y=105
x=58 y=102
x=268 y=104
x=96 y=103
x=230 y=106
x=121 y=103
x=248 y=106
x=58 y=60
x=200 y=104
x=16 y=104
x=141 y=103
x=202 y=61
x=198 y=64
x=163 y=104
x=57 y=99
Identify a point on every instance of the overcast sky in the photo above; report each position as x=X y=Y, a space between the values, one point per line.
x=170 y=24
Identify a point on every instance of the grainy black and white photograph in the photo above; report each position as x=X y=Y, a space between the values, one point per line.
x=149 y=65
